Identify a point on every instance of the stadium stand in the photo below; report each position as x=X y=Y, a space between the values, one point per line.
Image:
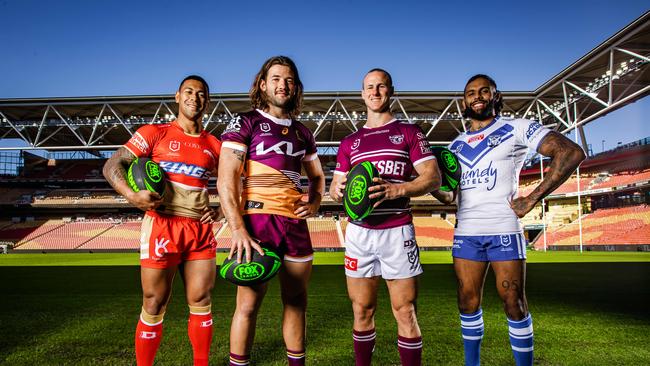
x=66 y=237
x=613 y=226
x=433 y=232
x=124 y=236
x=323 y=233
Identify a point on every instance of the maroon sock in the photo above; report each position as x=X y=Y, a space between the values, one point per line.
x=410 y=350
x=296 y=358
x=364 y=345
x=239 y=360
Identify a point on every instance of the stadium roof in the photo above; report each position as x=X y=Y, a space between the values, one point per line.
x=610 y=76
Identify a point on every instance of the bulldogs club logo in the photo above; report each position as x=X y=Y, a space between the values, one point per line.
x=396 y=139
x=356 y=143
x=459 y=148
x=494 y=141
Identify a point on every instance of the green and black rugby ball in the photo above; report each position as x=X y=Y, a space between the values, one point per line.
x=260 y=269
x=356 y=200
x=449 y=165
x=146 y=174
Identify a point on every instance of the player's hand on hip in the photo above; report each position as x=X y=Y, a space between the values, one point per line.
x=336 y=192
x=210 y=215
x=243 y=244
x=305 y=209
x=522 y=205
x=145 y=200
x=383 y=191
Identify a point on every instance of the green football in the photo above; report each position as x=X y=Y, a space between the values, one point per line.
x=356 y=200
x=260 y=269
x=450 y=171
x=146 y=174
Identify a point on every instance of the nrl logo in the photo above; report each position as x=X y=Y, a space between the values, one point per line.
x=494 y=140
x=174 y=146
x=265 y=127
x=396 y=139
x=505 y=240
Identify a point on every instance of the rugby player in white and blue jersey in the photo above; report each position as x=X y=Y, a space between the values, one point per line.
x=488 y=231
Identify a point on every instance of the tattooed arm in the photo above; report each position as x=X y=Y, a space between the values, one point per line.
x=566 y=156
x=231 y=165
x=115 y=173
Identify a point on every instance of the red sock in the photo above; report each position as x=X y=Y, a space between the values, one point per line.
x=147 y=340
x=410 y=350
x=199 y=329
x=364 y=345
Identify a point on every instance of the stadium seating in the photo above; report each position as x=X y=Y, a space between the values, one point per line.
x=121 y=236
x=614 y=226
x=323 y=233
x=433 y=232
x=66 y=237
x=623 y=179
x=24 y=231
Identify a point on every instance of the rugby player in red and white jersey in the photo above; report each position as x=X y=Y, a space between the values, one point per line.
x=271 y=148
x=177 y=227
x=383 y=244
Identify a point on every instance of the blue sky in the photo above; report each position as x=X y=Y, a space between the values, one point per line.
x=92 y=48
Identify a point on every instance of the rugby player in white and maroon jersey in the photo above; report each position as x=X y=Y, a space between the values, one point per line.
x=383 y=244
x=177 y=227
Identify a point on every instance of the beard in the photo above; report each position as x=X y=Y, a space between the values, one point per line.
x=286 y=104
x=486 y=113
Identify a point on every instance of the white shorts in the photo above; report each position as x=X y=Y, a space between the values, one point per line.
x=391 y=253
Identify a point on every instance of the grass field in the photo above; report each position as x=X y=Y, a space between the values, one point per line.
x=81 y=309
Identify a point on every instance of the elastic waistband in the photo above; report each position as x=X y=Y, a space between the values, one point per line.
x=156 y=214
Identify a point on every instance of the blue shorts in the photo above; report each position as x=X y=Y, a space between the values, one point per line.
x=490 y=248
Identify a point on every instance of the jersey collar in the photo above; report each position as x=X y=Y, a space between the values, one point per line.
x=176 y=125
x=279 y=121
x=382 y=126
x=484 y=128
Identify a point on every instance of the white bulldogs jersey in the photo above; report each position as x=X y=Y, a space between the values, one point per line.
x=491 y=160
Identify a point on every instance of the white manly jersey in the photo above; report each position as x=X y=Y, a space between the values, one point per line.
x=491 y=159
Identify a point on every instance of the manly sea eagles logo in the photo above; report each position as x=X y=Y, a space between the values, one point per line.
x=396 y=139
x=494 y=141
x=356 y=144
x=265 y=127
x=174 y=145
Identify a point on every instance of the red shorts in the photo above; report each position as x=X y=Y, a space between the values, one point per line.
x=166 y=241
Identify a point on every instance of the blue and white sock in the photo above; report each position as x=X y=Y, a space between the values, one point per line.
x=471 y=326
x=521 y=340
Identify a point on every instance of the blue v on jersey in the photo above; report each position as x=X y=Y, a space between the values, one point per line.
x=491 y=159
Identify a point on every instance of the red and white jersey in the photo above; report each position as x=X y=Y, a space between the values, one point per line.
x=187 y=160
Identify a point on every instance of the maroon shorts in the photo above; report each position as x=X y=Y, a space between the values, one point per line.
x=288 y=237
